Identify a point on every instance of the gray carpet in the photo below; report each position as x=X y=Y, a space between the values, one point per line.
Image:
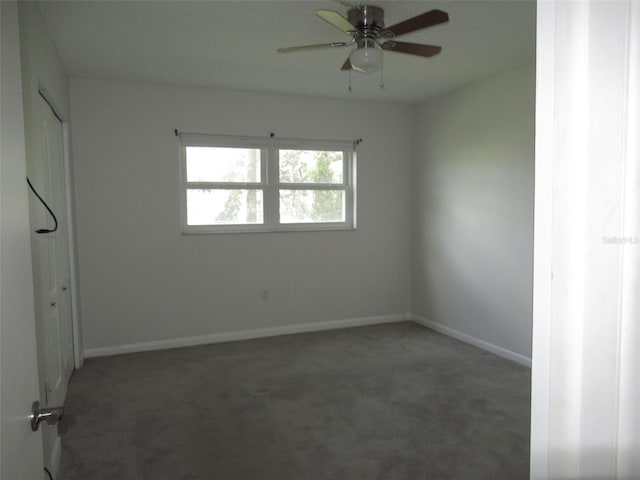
x=394 y=401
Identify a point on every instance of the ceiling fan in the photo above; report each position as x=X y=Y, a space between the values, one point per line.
x=365 y=24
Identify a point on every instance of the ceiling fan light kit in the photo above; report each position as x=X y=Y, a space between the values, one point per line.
x=366 y=58
x=365 y=24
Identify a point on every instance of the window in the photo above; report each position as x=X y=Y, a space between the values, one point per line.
x=238 y=184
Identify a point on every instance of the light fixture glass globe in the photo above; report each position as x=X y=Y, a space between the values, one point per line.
x=366 y=59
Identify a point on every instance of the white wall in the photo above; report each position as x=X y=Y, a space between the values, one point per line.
x=473 y=213
x=42 y=68
x=42 y=71
x=21 y=454
x=142 y=281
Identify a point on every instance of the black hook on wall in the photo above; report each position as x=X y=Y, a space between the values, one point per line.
x=44 y=230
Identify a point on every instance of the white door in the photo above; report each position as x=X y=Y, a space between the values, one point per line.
x=21 y=456
x=51 y=258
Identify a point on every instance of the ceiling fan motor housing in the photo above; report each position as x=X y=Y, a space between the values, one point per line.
x=368 y=19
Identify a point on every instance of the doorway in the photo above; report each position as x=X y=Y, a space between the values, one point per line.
x=49 y=228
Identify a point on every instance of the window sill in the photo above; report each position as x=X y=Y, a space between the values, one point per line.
x=294 y=227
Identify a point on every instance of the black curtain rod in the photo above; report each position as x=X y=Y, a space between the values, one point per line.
x=177 y=133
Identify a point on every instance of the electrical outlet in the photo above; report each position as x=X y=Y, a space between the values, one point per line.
x=264 y=295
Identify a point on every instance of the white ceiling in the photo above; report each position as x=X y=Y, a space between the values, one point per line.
x=232 y=44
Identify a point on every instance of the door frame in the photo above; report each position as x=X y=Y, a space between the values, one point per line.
x=586 y=337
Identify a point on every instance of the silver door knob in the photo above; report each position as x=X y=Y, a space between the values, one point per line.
x=50 y=415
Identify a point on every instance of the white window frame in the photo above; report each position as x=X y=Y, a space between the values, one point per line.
x=269 y=182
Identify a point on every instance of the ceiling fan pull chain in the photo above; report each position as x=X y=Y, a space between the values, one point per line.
x=349 y=87
x=381 y=84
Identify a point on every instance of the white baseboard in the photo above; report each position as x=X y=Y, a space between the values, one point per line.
x=303 y=328
x=490 y=347
x=241 y=335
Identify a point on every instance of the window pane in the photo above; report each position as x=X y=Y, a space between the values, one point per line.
x=306 y=206
x=214 y=164
x=311 y=166
x=224 y=207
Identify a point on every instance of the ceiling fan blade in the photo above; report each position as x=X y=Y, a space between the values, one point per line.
x=411 y=48
x=311 y=47
x=428 y=19
x=337 y=20
x=346 y=65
